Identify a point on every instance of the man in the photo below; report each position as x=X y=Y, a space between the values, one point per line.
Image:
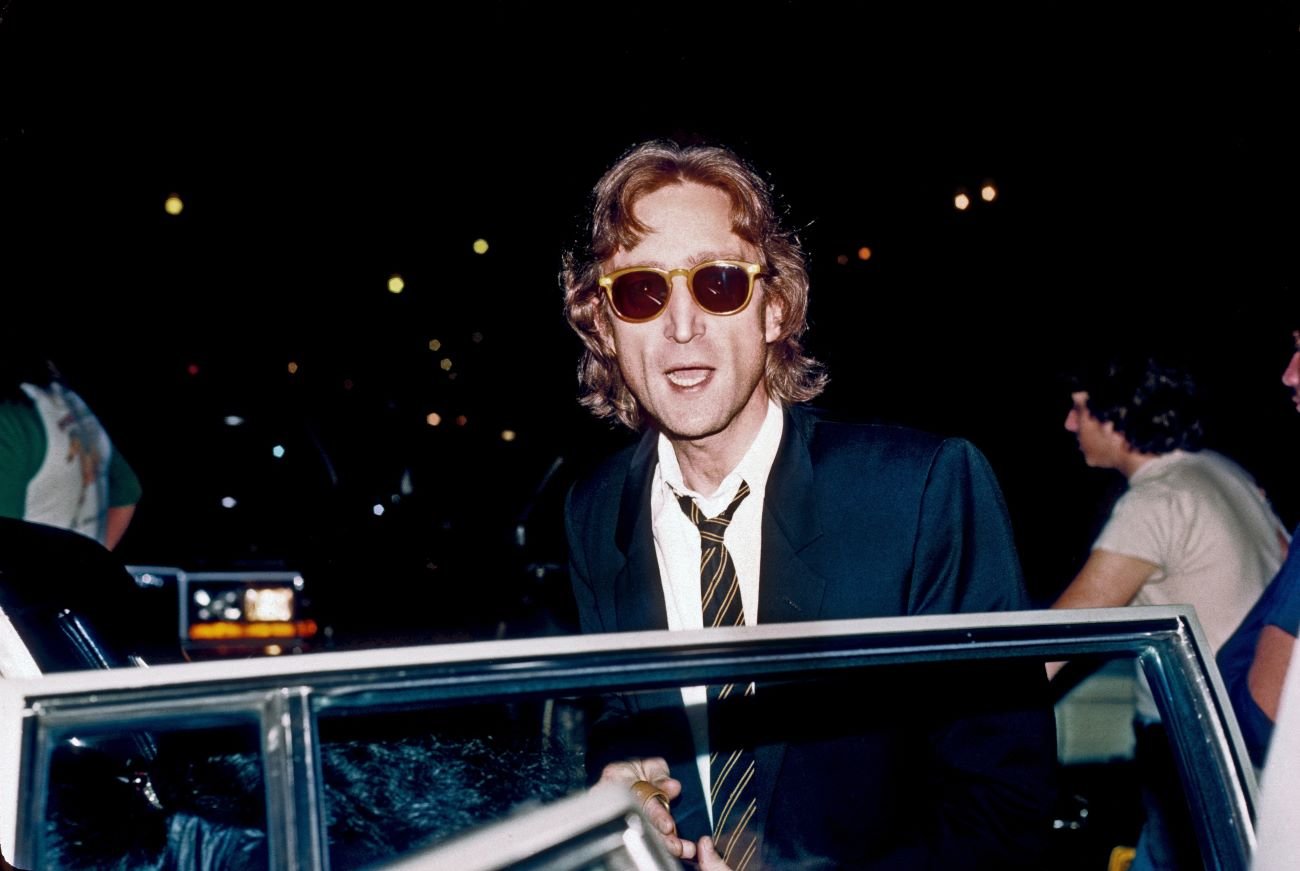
x=57 y=464
x=1192 y=528
x=691 y=301
x=1254 y=660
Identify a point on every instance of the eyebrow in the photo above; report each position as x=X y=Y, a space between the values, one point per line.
x=696 y=260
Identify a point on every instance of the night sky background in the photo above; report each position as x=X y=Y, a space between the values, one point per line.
x=1147 y=176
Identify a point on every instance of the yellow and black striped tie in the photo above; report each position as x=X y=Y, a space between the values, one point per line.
x=731 y=765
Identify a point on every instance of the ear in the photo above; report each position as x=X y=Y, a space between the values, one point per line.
x=773 y=318
x=1121 y=441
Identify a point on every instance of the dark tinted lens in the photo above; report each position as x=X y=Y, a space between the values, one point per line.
x=639 y=295
x=721 y=289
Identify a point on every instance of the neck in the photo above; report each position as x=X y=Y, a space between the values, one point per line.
x=703 y=469
x=705 y=461
x=1133 y=461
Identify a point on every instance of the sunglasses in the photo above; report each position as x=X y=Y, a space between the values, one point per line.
x=720 y=287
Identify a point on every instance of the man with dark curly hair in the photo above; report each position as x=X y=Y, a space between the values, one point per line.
x=738 y=506
x=1192 y=528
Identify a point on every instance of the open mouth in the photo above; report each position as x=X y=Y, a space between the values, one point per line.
x=687 y=377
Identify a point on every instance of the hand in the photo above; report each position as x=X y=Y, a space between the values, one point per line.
x=655 y=772
x=708 y=857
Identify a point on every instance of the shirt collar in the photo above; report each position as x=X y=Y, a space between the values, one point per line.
x=1155 y=466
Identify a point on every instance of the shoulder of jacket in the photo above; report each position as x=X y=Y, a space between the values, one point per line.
x=603 y=482
x=829 y=438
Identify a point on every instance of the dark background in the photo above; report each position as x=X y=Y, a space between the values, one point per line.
x=1148 y=185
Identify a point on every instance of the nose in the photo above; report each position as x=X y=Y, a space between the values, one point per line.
x=683 y=320
x=1291 y=375
x=1072 y=420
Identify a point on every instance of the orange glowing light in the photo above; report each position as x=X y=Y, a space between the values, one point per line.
x=223 y=630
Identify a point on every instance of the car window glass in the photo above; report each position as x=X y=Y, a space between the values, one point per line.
x=130 y=798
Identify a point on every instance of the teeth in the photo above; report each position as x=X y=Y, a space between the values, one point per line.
x=687 y=377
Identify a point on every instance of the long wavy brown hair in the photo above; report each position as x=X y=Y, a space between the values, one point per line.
x=791 y=375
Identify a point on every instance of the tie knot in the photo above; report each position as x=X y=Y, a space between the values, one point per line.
x=717 y=524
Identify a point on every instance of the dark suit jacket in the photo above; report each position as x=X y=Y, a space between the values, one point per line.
x=925 y=769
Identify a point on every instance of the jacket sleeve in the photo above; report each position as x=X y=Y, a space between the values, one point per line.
x=992 y=732
x=965 y=558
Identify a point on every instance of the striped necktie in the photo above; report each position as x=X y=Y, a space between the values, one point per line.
x=731 y=765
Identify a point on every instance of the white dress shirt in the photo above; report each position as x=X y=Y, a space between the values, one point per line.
x=677 y=549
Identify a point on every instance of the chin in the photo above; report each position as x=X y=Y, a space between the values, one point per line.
x=689 y=433
x=689 y=426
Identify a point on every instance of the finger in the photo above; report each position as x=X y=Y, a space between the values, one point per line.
x=627 y=772
x=650 y=795
x=624 y=773
x=708 y=857
x=653 y=768
x=660 y=818
x=671 y=787
x=679 y=848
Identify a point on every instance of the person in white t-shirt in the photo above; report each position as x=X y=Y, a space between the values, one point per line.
x=58 y=465
x=1192 y=528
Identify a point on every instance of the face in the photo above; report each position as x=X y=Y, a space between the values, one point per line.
x=697 y=375
x=1101 y=446
x=1291 y=375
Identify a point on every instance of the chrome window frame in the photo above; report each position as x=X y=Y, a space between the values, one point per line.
x=602 y=825
x=284 y=696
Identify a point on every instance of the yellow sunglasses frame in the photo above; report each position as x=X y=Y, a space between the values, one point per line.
x=752 y=270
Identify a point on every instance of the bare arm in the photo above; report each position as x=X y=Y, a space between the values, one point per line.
x=1268 y=670
x=115 y=524
x=1107 y=580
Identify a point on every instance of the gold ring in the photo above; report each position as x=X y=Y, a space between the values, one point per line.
x=645 y=790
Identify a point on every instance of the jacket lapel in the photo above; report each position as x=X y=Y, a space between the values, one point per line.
x=638 y=590
x=789 y=589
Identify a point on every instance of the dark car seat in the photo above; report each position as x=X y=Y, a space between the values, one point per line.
x=73 y=604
